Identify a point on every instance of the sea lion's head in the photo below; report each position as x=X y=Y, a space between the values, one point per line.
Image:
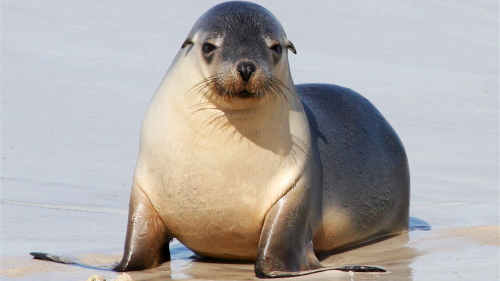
x=241 y=49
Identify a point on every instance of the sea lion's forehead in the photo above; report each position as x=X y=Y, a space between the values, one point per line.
x=241 y=20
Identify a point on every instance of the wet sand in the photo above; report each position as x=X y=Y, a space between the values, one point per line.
x=76 y=78
x=460 y=253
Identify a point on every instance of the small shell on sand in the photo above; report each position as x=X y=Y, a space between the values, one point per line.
x=96 y=277
x=123 y=277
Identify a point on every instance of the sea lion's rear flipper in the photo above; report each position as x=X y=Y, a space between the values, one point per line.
x=146 y=244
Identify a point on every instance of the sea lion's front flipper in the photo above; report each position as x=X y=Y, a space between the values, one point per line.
x=146 y=245
x=285 y=247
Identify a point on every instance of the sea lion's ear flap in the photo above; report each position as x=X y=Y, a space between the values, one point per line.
x=291 y=47
x=187 y=42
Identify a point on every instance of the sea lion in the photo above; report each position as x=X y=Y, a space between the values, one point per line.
x=238 y=163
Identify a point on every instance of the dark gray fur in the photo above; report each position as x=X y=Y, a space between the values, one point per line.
x=244 y=27
x=359 y=152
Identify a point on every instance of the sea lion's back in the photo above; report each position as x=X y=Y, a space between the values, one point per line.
x=365 y=167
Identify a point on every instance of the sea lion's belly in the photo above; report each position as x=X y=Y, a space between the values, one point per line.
x=214 y=219
x=215 y=204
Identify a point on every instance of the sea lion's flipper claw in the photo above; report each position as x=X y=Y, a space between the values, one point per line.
x=360 y=268
x=68 y=260
x=55 y=258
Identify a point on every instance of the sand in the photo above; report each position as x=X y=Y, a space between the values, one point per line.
x=76 y=77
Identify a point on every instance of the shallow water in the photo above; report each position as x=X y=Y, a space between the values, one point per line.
x=77 y=76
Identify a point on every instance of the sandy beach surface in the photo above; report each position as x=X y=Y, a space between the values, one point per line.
x=76 y=77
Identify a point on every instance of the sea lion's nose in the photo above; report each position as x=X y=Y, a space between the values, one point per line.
x=246 y=69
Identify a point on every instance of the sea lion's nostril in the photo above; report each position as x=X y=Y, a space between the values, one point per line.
x=246 y=69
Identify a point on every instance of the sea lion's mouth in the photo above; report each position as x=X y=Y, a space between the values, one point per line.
x=260 y=88
x=244 y=94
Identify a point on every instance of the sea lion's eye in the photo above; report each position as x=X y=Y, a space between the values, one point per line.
x=277 y=49
x=207 y=48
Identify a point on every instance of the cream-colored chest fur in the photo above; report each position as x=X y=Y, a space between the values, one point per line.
x=212 y=171
x=212 y=183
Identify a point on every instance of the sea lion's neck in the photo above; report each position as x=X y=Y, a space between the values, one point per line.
x=272 y=124
x=250 y=121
